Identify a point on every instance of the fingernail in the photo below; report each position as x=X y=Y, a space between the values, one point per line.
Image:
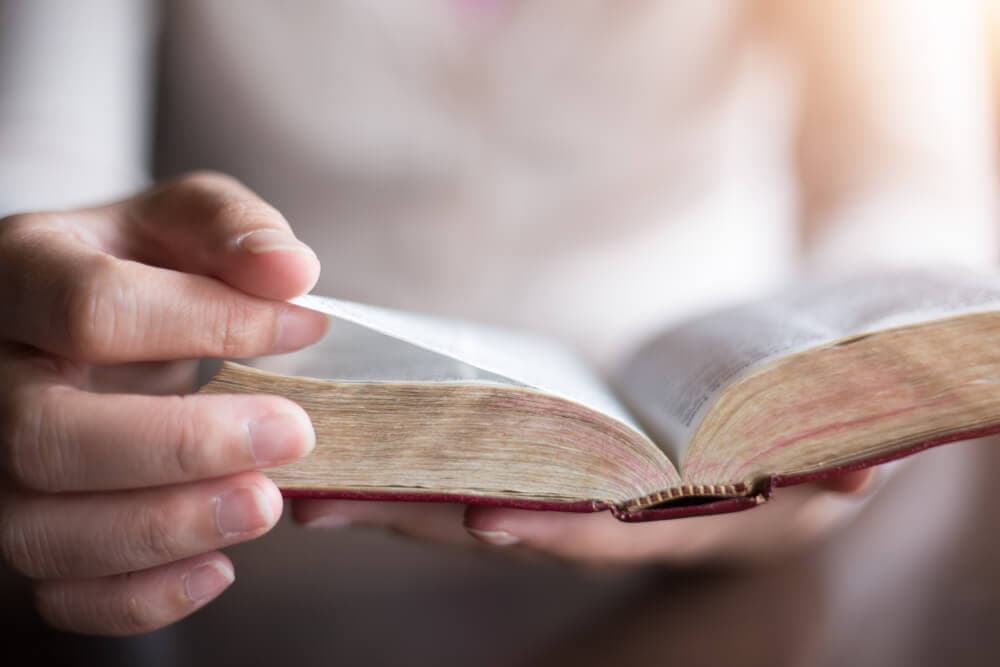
x=242 y=511
x=271 y=240
x=498 y=538
x=328 y=522
x=206 y=581
x=280 y=438
x=298 y=327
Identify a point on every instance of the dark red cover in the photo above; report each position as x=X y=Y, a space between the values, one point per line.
x=760 y=494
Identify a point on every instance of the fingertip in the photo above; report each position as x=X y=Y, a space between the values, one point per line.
x=50 y=602
x=492 y=525
x=282 y=434
x=268 y=496
x=338 y=512
x=547 y=531
x=439 y=522
x=208 y=580
x=299 y=327
x=479 y=517
x=272 y=264
x=317 y=513
x=488 y=518
x=494 y=538
x=273 y=497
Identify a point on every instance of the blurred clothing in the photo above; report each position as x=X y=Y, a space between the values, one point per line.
x=588 y=169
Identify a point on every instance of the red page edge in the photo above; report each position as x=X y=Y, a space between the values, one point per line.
x=761 y=494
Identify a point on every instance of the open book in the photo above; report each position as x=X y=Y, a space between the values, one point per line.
x=708 y=416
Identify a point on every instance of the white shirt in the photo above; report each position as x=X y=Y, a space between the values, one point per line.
x=586 y=170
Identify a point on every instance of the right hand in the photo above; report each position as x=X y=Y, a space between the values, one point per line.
x=115 y=502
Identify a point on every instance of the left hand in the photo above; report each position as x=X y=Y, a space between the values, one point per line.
x=795 y=518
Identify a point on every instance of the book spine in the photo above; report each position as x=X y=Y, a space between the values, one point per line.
x=752 y=495
x=688 y=491
x=722 y=506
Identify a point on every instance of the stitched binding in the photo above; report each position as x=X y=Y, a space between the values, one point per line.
x=688 y=491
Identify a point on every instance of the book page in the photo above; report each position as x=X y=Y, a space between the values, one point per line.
x=674 y=379
x=369 y=343
x=353 y=353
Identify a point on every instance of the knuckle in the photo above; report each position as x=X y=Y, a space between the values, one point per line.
x=131 y=614
x=14 y=545
x=119 y=612
x=53 y=604
x=154 y=541
x=13 y=411
x=204 y=182
x=15 y=228
x=243 y=212
x=93 y=309
x=186 y=456
x=202 y=191
x=27 y=547
x=32 y=443
x=220 y=200
x=244 y=329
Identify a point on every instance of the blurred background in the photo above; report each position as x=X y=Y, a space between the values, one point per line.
x=876 y=142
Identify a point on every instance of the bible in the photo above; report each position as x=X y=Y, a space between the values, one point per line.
x=710 y=415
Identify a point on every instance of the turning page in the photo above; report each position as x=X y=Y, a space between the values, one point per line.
x=371 y=343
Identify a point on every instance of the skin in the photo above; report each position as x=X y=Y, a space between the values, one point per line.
x=116 y=503
x=795 y=519
x=118 y=486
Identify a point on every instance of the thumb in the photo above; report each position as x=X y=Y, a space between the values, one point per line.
x=211 y=224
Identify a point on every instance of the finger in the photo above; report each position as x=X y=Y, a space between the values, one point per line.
x=794 y=518
x=436 y=522
x=571 y=536
x=211 y=224
x=137 y=602
x=152 y=378
x=855 y=482
x=73 y=301
x=64 y=439
x=72 y=536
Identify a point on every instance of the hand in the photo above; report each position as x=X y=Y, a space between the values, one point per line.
x=794 y=518
x=116 y=502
